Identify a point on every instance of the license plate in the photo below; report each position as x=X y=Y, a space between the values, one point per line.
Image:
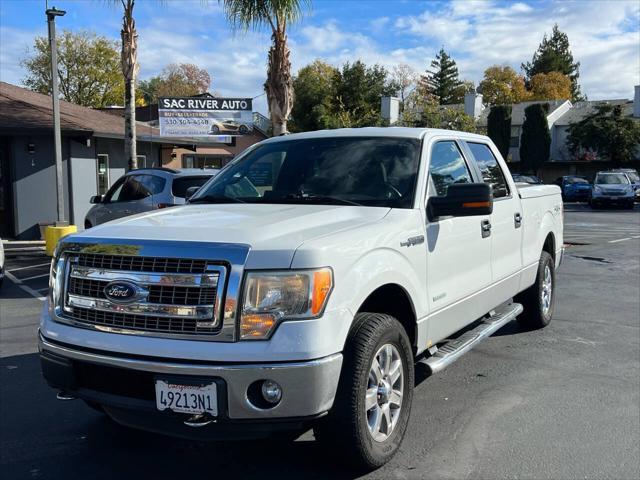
x=613 y=198
x=187 y=398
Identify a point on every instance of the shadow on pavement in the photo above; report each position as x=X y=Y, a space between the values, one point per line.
x=41 y=437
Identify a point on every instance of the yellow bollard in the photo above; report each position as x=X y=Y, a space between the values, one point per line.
x=53 y=234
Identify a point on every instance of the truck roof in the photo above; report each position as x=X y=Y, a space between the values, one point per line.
x=401 y=132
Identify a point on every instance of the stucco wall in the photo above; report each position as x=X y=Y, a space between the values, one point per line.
x=34 y=183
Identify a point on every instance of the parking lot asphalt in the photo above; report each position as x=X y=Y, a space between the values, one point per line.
x=558 y=403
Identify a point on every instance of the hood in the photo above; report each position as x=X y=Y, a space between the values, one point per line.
x=614 y=187
x=273 y=231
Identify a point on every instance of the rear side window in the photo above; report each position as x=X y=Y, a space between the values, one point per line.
x=489 y=168
x=153 y=184
x=181 y=184
x=447 y=166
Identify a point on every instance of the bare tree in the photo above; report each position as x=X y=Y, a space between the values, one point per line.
x=404 y=77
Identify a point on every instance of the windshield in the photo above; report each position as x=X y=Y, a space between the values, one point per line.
x=612 y=179
x=365 y=171
x=576 y=180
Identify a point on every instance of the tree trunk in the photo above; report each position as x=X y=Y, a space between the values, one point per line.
x=130 y=150
x=129 y=59
x=279 y=84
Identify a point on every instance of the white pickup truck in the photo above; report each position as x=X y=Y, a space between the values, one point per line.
x=300 y=287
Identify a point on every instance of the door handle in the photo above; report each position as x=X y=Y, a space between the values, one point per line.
x=486 y=228
x=517 y=219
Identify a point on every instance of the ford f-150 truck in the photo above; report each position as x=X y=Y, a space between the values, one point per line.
x=300 y=287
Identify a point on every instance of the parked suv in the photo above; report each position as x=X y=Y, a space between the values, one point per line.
x=144 y=190
x=634 y=178
x=612 y=188
x=574 y=188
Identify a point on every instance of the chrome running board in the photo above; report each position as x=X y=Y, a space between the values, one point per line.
x=454 y=349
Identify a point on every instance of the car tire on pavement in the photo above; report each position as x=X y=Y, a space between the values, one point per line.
x=371 y=410
x=539 y=299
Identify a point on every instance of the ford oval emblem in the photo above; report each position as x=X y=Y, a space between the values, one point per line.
x=120 y=291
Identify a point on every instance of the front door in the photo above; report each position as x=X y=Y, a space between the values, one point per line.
x=458 y=254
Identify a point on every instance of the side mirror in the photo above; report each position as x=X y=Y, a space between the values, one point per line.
x=96 y=199
x=462 y=200
x=191 y=191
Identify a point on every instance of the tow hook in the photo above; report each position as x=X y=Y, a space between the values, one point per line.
x=199 y=420
x=64 y=396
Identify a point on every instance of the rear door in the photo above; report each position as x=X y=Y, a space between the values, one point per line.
x=458 y=253
x=506 y=219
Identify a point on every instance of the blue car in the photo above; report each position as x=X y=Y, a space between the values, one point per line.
x=612 y=188
x=574 y=188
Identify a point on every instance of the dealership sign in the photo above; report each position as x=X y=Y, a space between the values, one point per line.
x=204 y=117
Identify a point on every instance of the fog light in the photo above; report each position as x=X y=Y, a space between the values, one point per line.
x=271 y=391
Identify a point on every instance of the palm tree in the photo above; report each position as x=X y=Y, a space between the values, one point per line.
x=274 y=14
x=130 y=67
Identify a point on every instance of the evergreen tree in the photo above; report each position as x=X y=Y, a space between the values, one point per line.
x=499 y=128
x=554 y=55
x=607 y=132
x=535 y=141
x=442 y=80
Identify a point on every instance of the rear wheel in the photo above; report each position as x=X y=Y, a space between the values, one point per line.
x=371 y=410
x=539 y=299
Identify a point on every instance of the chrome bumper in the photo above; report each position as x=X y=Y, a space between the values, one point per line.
x=308 y=387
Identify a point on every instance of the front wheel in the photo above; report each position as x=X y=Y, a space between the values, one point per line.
x=539 y=299
x=371 y=410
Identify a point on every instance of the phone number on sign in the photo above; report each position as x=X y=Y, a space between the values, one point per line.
x=185 y=121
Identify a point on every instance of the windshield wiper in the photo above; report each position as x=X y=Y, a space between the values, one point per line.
x=311 y=198
x=216 y=199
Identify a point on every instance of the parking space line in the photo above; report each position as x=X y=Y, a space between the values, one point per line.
x=620 y=240
x=34 y=277
x=30 y=266
x=24 y=287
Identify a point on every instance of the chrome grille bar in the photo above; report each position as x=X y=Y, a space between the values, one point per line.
x=203 y=313
x=181 y=279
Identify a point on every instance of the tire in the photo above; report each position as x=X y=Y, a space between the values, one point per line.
x=243 y=129
x=346 y=429
x=215 y=129
x=538 y=307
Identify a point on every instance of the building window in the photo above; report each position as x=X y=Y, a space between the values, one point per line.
x=102 y=173
x=205 y=161
x=142 y=161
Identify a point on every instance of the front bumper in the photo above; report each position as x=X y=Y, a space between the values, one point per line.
x=124 y=384
x=612 y=199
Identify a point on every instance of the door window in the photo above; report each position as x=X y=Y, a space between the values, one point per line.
x=102 y=173
x=113 y=195
x=489 y=168
x=447 y=166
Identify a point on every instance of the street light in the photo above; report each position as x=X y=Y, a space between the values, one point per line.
x=52 y=13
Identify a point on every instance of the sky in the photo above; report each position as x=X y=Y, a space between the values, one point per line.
x=604 y=37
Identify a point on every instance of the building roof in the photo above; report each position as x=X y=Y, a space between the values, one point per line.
x=581 y=110
x=22 y=109
x=517 y=111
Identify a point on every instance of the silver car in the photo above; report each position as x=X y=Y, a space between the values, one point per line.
x=144 y=190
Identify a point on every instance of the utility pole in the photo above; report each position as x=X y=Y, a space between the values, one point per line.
x=52 y=13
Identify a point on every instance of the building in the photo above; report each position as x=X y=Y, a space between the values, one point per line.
x=562 y=113
x=92 y=153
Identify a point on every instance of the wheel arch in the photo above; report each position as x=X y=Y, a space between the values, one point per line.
x=393 y=299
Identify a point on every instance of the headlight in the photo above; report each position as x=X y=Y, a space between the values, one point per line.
x=596 y=189
x=270 y=297
x=56 y=279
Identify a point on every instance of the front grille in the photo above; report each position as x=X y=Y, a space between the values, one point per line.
x=142 y=264
x=174 y=296
x=147 y=323
x=161 y=294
